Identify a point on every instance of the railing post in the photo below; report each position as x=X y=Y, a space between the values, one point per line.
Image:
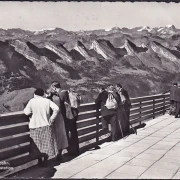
x=153 y=108
x=140 y=103
x=164 y=110
x=97 y=127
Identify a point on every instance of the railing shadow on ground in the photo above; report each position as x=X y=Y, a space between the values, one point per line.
x=45 y=172
x=14 y=131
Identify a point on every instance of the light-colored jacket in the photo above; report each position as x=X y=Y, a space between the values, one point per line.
x=39 y=108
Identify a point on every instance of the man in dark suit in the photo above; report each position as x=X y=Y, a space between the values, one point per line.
x=126 y=102
x=70 y=124
x=124 y=109
x=108 y=115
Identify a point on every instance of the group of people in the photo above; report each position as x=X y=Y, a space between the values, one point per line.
x=53 y=114
x=174 y=99
x=115 y=110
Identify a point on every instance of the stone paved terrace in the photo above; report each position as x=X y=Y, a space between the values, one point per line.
x=153 y=153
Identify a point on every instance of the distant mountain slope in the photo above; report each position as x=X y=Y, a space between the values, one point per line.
x=145 y=60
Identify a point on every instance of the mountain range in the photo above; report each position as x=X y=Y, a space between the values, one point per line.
x=144 y=60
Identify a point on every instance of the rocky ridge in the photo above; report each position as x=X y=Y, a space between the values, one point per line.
x=145 y=60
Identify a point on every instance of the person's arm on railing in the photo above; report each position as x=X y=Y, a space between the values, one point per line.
x=28 y=109
x=166 y=91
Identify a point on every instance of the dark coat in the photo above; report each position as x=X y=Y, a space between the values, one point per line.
x=173 y=93
x=127 y=104
x=64 y=96
x=176 y=94
x=101 y=100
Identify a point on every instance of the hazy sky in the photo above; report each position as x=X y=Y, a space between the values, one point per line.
x=87 y=15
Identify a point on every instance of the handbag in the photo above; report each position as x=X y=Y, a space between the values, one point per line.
x=111 y=102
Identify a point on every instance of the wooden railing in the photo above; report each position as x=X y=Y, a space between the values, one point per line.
x=14 y=131
x=89 y=120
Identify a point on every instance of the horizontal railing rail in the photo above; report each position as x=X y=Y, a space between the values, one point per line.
x=14 y=131
x=143 y=109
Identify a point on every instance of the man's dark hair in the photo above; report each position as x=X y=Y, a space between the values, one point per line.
x=175 y=84
x=119 y=85
x=56 y=84
x=39 y=92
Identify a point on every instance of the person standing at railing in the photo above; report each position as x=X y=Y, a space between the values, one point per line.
x=70 y=101
x=173 y=98
x=108 y=101
x=58 y=125
x=42 y=142
x=123 y=110
x=177 y=99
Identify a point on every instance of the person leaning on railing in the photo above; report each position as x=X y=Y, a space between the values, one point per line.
x=70 y=101
x=109 y=115
x=42 y=137
x=52 y=93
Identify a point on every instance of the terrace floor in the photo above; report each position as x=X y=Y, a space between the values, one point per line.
x=153 y=153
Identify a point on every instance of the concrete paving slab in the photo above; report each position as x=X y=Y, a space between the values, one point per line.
x=176 y=148
x=178 y=144
x=110 y=166
x=153 y=138
x=158 y=134
x=81 y=162
x=161 y=146
x=136 y=149
x=92 y=173
x=156 y=151
x=123 y=143
x=96 y=157
x=107 y=152
x=149 y=156
x=119 y=175
x=174 y=153
x=165 y=165
x=131 y=170
x=176 y=176
x=138 y=144
x=117 y=159
x=124 y=153
x=141 y=162
x=149 y=142
x=173 y=136
x=171 y=159
x=154 y=173
x=169 y=143
x=177 y=140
